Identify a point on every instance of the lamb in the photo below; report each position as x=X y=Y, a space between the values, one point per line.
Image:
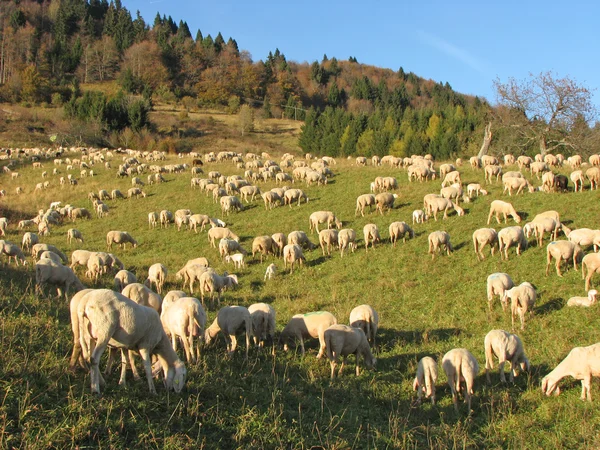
x=38 y=249
x=142 y=295
x=498 y=207
x=263 y=323
x=291 y=254
x=460 y=365
x=522 y=300
x=362 y=201
x=584 y=301
x=124 y=278
x=213 y=283
x=342 y=340
x=157 y=274
x=400 y=230
x=323 y=217
x=385 y=200
x=25 y=224
x=237 y=259
x=509 y=237
x=185 y=319
x=347 y=239
x=437 y=240
x=497 y=283
x=219 y=233
x=47 y=271
x=303 y=326
x=72 y=233
x=121 y=238
x=371 y=235
x=419 y=216
x=263 y=245
x=483 y=237
x=475 y=189
x=270 y=272
x=424 y=383
x=582 y=363
x=507 y=347
x=562 y=251
x=115 y=318
x=12 y=251
x=152 y=219
x=230 y=320
x=366 y=318
x=29 y=240
x=328 y=239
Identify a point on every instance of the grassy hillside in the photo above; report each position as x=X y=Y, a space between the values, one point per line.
x=426 y=308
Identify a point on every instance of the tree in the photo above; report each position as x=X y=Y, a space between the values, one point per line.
x=246 y=119
x=543 y=110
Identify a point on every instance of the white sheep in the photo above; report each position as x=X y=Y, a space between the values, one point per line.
x=582 y=363
x=72 y=233
x=347 y=239
x=157 y=274
x=112 y=317
x=460 y=366
x=509 y=237
x=304 y=326
x=424 y=383
x=218 y=233
x=584 y=301
x=49 y=272
x=498 y=207
x=497 y=283
x=76 y=356
x=184 y=318
x=591 y=264
x=438 y=240
x=562 y=251
x=385 y=201
x=121 y=238
x=300 y=238
x=366 y=318
x=95 y=267
x=230 y=320
x=263 y=323
x=263 y=245
x=522 y=300
x=51 y=256
x=507 y=347
x=343 y=340
x=229 y=246
x=12 y=251
x=143 y=295
x=270 y=272
x=483 y=237
x=323 y=217
x=38 y=249
x=399 y=230
x=237 y=259
x=419 y=216
x=29 y=240
x=292 y=253
x=123 y=278
x=152 y=219
x=213 y=283
x=328 y=239
x=371 y=235
x=362 y=201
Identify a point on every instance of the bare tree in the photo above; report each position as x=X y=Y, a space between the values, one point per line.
x=544 y=109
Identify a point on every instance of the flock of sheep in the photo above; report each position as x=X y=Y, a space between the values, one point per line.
x=137 y=320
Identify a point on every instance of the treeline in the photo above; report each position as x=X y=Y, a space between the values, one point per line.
x=49 y=48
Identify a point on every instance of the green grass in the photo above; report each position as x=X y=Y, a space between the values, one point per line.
x=425 y=308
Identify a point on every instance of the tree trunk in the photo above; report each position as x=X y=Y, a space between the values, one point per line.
x=543 y=145
x=487 y=139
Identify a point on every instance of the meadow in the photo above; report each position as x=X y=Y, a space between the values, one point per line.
x=285 y=401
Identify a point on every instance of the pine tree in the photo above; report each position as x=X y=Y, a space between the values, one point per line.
x=199 y=37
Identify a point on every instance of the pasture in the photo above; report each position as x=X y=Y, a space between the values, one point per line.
x=284 y=401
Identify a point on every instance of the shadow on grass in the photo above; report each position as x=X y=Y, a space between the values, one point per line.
x=554 y=304
x=460 y=245
x=392 y=336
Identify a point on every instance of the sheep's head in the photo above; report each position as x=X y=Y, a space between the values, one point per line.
x=550 y=386
x=525 y=365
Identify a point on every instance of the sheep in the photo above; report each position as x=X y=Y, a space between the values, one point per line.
x=292 y=195
x=522 y=300
x=80 y=213
x=537 y=168
x=300 y=238
x=591 y=264
x=445 y=169
x=371 y=235
x=303 y=326
x=249 y=191
x=419 y=216
x=263 y=245
x=516 y=184
x=424 y=383
x=51 y=256
x=115 y=318
x=399 y=230
x=121 y=238
x=12 y=251
x=143 y=295
x=237 y=259
x=229 y=203
x=507 y=347
x=184 y=318
x=152 y=219
x=585 y=237
x=385 y=200
x=367 y=319
x=437 y=240
x=509 y=237
x=135 y=192
x=492 y=171
x=328 y=239
x=497 y=283
x=584 y=301
x=562 y=251
x=172 y=296
x=263 y=324
x=213 y=283
x=47 y=271
x=29 y=240
x=270 y=272
x=362 y=201
x=198 y=219
x=270 y=198
x=436 y=204
x=582 y=363
x=593 y=175
x=342 y=340
x=115 y=194
x=498 y=207
x=291 y=254
x=483 y=237
x=229 y=246
x=219 y=233
x=475 y=162
x=191 y=273
x=323 y=217
x=229 y=320
x=38 y=249
x=123 y=278
x=135 y=181
x=76 y=356
x=95 y=266
x=475 y=189
x=460 y=365
x=25 y=224
x=577 y=179
x=280 y=241
x=346 y=239
x=165 y=217
x=157 y=274
x=72 y=233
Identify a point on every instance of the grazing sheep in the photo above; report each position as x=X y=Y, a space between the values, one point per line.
x=460 y=365
x=400 y=230
x=166 y=217
x=263 y=323
x=593 y=175
x=577 y=179
x=157 y=274
x=29 y=240
x=516 y=184
x=153 y=219
x=49 y=272
x=115 y=194
x=367 y=319
x=184 y=318
x=342 y=340
x=72 y=233
x=582 y=363
x=385 y=200
x=347 y=239
x=230 y=320
x=229 y=203
x=541 y=226
x=198 y=219
x=497 y=283
x=362 y=201
x=585 y=237
x=328 y=239
x=191 y=273
x=303 y=326
x=437 y=240
x=483 y=237
x=300 y=238
x=121 y=238
x=506 y=347
x=475 y=189
x=76 y=356
x=292 y=253
x=584 y=301
x=124 y=278
x=292 y=195
x=12 y=251
x=237 y=259
x=509 y=237
x=436 y=204
x=80 y=213
x=95 y=267
x=219 y=233
x=498 y=207
x=419 y=216
x=135 y=192
x=492 y=171
x=522 y=300
x=270 y=272
x=213 y=283
x=263 y=245
x=38 y=249
x=51 y=256
x=562 y=251
x=271 y=198
x=229 y=246
x=323 y=217
x=371 y=235
x=450 y=178
x=143 y=295
x=427 y=374
x=112 y=317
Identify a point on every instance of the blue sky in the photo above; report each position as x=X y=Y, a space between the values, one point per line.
x=465 y=43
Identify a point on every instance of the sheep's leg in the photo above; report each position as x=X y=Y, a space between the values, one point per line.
x=189 y=354
x=558 y=261
x=124 y=361
x=322 y=344
x=333 y=364
x=136 y=375
x=145 y=354
x=502 y=376
x=357 y=364
x=233 y=345
x=95 y=360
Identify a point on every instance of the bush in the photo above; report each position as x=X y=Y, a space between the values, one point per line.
x=233 y=104
x=57 y=100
